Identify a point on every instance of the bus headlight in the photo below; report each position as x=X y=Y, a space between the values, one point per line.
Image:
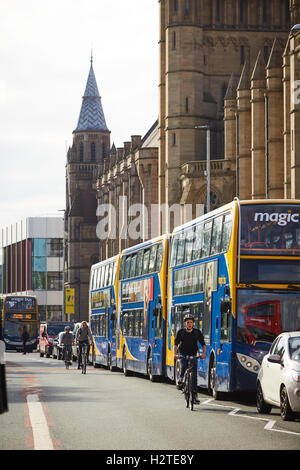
x=248 y=363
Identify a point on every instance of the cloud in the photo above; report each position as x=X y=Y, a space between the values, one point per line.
x=44 y=68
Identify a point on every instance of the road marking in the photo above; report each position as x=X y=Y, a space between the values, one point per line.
x=235 y=412
x=41 y=435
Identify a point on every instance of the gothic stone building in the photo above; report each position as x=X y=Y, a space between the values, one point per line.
x=219 y=60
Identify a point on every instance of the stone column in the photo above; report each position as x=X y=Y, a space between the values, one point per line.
x=287 y=122
x=244 y=118
x=275 y=122
x=295 y=114
x=258 y=85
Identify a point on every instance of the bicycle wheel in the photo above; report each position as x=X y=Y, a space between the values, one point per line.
x=83 y=360
x=191 y=392
x=186 y=389
x=67 y=358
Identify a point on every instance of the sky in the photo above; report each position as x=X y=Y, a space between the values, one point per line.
x=45 y=50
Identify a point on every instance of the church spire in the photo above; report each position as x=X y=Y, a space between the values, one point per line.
x=91 y=116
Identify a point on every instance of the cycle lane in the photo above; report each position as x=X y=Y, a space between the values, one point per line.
x=28 y=423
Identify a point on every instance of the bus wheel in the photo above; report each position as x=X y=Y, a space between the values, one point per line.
x=212 y=379
x=95 y=364
x=109 y=362
x=124 y=365
x=152 y=377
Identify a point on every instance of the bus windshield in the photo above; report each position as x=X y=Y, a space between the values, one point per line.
x=269 y=229
x=262 y=319
x=20 y=304
x=14 y=329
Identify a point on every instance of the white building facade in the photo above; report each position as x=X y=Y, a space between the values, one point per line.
x=31 y=262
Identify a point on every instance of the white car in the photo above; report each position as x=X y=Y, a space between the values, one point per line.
x=278 y=380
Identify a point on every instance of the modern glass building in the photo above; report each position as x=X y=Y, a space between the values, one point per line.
x=31 y=262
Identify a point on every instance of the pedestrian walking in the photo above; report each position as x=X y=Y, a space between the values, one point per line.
x=25 y=337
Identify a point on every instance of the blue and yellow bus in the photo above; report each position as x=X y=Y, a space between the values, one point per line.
x=17 y=312
x=103 y=311
x=237 y=269
x=142 y=308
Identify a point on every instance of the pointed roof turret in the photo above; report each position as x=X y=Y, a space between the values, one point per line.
x=244 y=83
x=259 y=71
x=232 y=88
x=91 y=116
x=275 y=59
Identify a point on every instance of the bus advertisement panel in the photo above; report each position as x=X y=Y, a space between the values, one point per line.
x=19 y=312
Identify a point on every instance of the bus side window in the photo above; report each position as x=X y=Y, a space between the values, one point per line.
x=159 y=256
x=226 y=235
x=139 y=263
x=152 y=260
x=180 y=249
x=174 y=251
x=133 y=265
x=146 y=260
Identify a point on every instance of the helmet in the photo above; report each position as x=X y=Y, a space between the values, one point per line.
x=67 y=328
x=188 y=316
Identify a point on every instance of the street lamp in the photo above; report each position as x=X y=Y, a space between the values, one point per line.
x=64 y=260
x=207 y=128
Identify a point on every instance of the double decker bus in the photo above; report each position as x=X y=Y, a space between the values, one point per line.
x=237 y=269
x=142 y=308
x=17 y=312
x=103 y=311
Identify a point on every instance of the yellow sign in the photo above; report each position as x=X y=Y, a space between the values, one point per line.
x=69 y=301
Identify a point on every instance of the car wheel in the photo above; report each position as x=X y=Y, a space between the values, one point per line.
x=285 y=407
x=262 y=406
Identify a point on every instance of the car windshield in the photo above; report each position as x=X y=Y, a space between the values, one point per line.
x=294 y=348
x=262 y=315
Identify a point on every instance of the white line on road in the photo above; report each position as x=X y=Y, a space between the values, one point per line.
x=235 y=412
x=40 y=430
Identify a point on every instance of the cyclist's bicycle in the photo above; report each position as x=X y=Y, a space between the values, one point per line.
x=68 y=355
x=188 y=379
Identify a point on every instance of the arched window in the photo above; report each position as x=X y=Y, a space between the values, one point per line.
x=186 y=7
x=93 y=152
x=81 y=152
x=264 y=11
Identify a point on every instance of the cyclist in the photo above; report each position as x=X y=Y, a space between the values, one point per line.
x=83 y=335
x=67 y=341
x=186 y=342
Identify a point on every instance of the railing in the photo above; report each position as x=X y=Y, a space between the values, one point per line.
x=199 y=167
